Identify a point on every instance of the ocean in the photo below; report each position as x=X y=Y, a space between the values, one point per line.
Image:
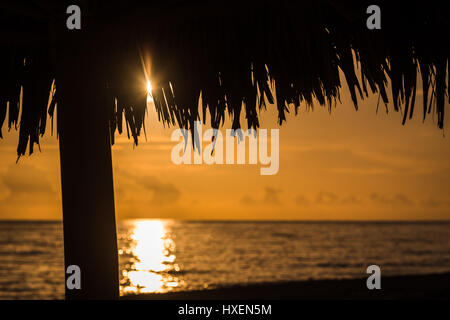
x=171 y=255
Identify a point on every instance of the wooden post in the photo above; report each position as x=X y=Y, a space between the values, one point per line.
x=90 y=240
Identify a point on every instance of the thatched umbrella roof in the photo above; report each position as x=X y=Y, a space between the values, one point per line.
x=232 y=53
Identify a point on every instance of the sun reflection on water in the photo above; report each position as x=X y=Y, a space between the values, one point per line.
x=152 y=259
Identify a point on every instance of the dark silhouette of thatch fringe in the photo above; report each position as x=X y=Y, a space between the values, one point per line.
x=232 y=53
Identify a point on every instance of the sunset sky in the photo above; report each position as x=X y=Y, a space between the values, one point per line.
x=347 y=165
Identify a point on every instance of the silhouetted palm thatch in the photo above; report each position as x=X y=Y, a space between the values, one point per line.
x=231 y=53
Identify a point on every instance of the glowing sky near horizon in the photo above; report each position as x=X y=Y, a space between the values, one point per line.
x=340 y=166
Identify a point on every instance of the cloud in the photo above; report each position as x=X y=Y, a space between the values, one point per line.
x=397 y=199
x=248 y=200
x=26 y=180
x=302 y=200
x=351 y=200
x=327 y=198
x=271 y=196
x=164 y=193
x=434 y=203
x=27 y=193
x=136 y=189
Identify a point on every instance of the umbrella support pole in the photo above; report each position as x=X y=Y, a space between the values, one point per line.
x=90 y=240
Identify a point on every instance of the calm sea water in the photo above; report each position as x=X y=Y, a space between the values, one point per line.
x=165 y=255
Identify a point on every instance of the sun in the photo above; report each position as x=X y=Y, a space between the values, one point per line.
x=149 y=92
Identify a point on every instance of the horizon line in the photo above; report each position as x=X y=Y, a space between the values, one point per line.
x=256 y=220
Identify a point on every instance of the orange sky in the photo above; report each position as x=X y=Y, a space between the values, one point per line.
x=341 y=166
